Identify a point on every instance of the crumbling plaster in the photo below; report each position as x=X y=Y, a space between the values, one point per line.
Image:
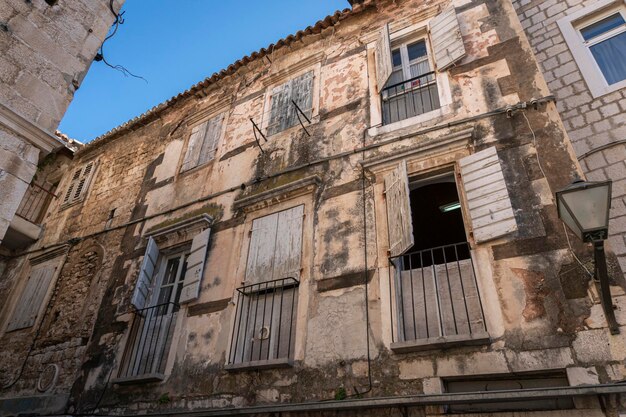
x=533 y=326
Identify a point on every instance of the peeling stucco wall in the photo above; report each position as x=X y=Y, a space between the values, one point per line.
x=537 y=320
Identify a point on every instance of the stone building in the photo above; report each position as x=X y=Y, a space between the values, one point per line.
x=46 y=48
x=580 y=46
x=357 y=220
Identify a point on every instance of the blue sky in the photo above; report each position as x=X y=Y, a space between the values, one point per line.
x=175 y=44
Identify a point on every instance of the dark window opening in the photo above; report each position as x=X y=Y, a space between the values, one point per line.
x=482 y=384
x=438 y=226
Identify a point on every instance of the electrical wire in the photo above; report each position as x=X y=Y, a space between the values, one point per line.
x=569 y=245
x=119 y=20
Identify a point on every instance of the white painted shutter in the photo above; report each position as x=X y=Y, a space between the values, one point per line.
x=212 y=135
x=146 y=275
x=447 y=42
x=260 y=264
x=195 y=267
x=32 y=297
x=70 y=189
x=399 y=220
x=288 y=252
x=384 y=65
x=194 y=146
x=487 y=196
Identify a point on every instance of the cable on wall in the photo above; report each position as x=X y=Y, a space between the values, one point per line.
x=119 y=20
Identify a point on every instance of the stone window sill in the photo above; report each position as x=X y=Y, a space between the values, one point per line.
x=139 y=379
x=441 y=342
x=258 y=365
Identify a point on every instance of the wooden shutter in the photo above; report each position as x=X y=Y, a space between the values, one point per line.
x=211 y=137
x=399 y=220
x=195 y=267
x=447 y=42
x=487 y=196
x=384 y=65
x=288 y=248
x=302 y=94
x=194 y=146
x=70 y=188
x=146 y=275
x=32 y=297
x=279 y=110
x=260 y=264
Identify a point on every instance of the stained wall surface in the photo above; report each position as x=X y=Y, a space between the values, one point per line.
x=541 y=310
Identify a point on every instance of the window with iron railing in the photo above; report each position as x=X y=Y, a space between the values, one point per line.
x=412 y=88
x=264 y=322
x=263 y=333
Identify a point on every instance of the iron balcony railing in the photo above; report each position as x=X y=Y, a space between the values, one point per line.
x=264 y=322
x=35 y=202
x=149 y=341
x=435 y=294
x=412 y=97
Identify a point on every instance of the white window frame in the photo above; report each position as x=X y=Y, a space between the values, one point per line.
x=570 y=27
x=401 y=39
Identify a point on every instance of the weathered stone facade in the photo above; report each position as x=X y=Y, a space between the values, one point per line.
x=46 y=50
x=595 y=123
x=539 y=312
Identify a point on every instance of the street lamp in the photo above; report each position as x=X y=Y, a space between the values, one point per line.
x=584 y=208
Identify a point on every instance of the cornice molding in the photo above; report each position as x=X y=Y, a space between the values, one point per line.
x=275 y=195
x=288 y=72
x=209 y=110
x=448 y=142
x=30 y=131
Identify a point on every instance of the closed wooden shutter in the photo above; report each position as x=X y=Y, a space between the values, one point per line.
x=196 y=139
x=288 y=248
x=384 y=65
x=260 y=264
x=195 y=267
x=399 y=221
x=279 y=113
x=211 y=137
x=32 y=297
x=146 y=276
x=487 y=196
x=275 y=246
x=302 y=94
x=447 y=42
x=79 y=184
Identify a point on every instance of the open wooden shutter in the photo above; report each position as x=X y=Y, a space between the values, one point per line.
x=399 y=220
x=384 y=65
x=212 y=135
x=260 y=264
x=70 y=189
x=194 y=146
x=195 y=267
x=29 y=304
x=447 y=42
x=288 y=252
x=487 y=196
x=146 y=275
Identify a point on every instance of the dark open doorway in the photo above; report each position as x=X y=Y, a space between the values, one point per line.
x=438 y=226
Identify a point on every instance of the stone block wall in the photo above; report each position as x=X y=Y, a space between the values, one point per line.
x=596 y=126
x=45 y=52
